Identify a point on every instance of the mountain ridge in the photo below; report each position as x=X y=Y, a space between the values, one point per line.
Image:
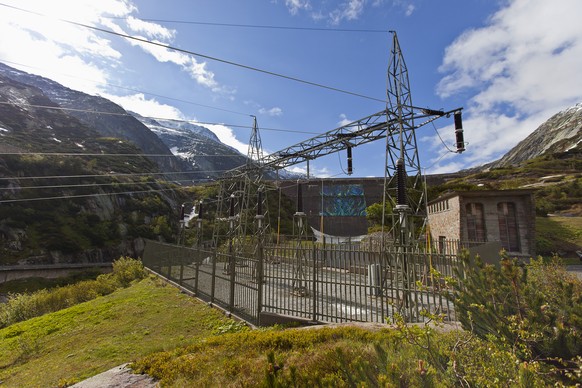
x=196 y=145
x=109 y=119
x=561 y=133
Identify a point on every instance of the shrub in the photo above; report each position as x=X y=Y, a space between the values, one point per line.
x=535 y=310
x=126 y=270
x=21 y=307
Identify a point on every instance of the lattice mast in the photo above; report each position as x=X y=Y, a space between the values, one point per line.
x=404 y=191
x=243 y=186
x=255 y=191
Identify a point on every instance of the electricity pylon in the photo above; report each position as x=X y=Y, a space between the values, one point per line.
x=397 y=125
x=403 y=180
x=245 y=186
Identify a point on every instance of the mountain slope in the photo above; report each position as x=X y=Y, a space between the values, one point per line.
x=560 y=133
x=68 y=194
x=196 y=145
x=111 y=121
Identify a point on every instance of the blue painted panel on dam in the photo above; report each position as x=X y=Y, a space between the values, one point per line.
x=344 y=201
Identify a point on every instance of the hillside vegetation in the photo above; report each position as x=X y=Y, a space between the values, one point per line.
x=70 y=345
x=183 y=342
x=556 y=179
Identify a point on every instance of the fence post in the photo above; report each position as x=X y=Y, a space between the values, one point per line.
x=169 y=274
x=199 y=237
x=232 y=273
x=213 y=281
x=182 y=260
x=260 y=259
x=197 y=270
x=314 y=285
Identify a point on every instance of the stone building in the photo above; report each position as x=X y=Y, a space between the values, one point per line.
x=506 y=217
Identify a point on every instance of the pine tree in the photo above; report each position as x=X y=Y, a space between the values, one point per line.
x=534 y=309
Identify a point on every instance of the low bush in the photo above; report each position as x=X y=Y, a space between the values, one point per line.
x=21 y=307
x=534 y=311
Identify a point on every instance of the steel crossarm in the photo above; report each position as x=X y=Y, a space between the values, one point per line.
x=363 y=131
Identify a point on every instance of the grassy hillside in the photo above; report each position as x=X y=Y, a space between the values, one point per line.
x=184 y=342
x=561 y=235
x=556 y=179
x=89 y=338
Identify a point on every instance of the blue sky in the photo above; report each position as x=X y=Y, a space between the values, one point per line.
x=509 y=64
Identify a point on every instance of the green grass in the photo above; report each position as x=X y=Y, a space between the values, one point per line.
x=184 y=342
x=561 y=235
x=337 y=357
x=89 y=338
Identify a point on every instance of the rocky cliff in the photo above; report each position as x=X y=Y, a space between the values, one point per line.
x=560 y=133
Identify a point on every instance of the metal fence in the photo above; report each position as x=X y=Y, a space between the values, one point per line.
x=327 y=283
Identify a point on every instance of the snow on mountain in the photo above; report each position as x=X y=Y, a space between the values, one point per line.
x=197 y=145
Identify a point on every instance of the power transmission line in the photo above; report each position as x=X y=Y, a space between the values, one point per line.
x=209 y=57
x=154 y=118
x=108 y=175
x=136 y=90
x=84 y=185
x=82 y=196
x=99 y=154
x=258 y=26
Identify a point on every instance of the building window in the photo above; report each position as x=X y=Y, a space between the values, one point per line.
x=508 y=230
x=475 y=222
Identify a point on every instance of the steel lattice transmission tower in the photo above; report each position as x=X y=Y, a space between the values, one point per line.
x=244 y=191
x=255 y=189
x=396 y=125
x=404 y=189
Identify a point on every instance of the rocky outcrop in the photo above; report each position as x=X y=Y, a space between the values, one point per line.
x=560 y=133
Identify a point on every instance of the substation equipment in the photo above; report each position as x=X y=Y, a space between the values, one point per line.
x=242 y=196
x=243 y=222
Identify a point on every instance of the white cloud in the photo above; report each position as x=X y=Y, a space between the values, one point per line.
x=146 y=107
x=335 y=14
x=82 y=53
x=410 y=8
x=314 y=172
x=275 y=111
x=487 y=137
x=188 y=63
x=71 y=55
x=297 y=5
x=344 y=120
x=519 y=69
x=152 y=30
x=350 y=10
x=227 y=136
x=406 y=6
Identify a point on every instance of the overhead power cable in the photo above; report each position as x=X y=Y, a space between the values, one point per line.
x=86 y=185
x=82 y=195
x=99 y=154
x=136 y=90
x=209 y=57
x=108 y=175
x=258 y=26
x=154 y=118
